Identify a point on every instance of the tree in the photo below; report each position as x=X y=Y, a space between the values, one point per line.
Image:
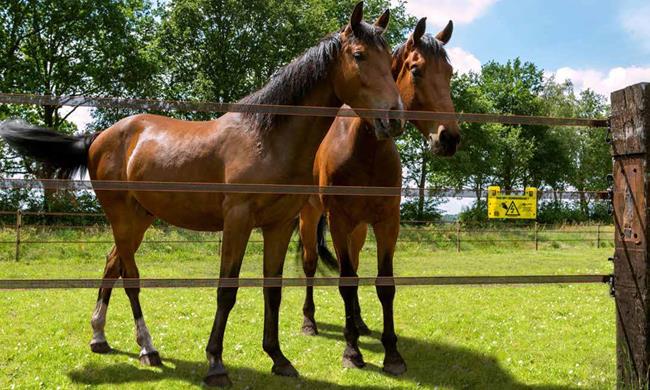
x=472 y=166
x=80 y=47
x=221 y=50
x=588 y=155
x=70 y=47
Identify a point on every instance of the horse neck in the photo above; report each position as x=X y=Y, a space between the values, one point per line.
x=363 y=141
x=296 y=138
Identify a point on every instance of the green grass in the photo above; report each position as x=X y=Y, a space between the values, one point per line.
x=546 y=337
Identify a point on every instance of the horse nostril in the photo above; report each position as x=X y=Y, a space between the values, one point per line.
x=448 y=138
x=444 y=137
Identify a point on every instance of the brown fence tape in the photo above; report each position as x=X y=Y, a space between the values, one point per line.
x=167 y=105
x=241 y=188
x=38 y=284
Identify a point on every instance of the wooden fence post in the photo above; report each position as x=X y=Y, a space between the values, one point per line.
x=630 y=134
x=19 y=224
x=458 y=236
x=536 y=238
x=598 y=236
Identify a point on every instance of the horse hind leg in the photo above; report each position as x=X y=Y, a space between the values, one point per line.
x=98 y=344
x=148 y=354
x=129 y=222
x=309 y=217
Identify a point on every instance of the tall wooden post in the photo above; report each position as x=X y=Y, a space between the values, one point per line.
x=458 y=237
x=630 y=128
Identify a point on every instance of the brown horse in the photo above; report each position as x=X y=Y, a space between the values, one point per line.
x=351 y=155
x=352 y=66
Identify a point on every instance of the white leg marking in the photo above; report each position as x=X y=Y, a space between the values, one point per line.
x=98 y=321
x=143 y=337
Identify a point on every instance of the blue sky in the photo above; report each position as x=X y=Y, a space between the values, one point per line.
x=599 y=44
x=555 y=34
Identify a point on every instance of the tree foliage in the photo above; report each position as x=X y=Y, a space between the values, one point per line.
x=222 y=50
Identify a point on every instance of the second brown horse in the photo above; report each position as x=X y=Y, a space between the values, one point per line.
x=351 y=155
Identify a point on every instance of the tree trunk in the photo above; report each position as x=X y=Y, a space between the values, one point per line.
x=584 y=205
x=48 y=116
x=422 y=182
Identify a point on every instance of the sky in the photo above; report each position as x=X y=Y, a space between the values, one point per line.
x=603 y=45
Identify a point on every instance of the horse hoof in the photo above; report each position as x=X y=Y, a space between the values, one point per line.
x=363 y=330
x=285 y=369
x=309 y=330
x=221 y=380
x=397 y=367
x=309 y=327
x=101 y=347
x=353 y=359
x=151 y=359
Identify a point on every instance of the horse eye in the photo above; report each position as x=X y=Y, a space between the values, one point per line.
x=358 y=55
x=416 y=71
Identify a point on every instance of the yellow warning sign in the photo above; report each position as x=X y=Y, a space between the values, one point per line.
x=512 y=206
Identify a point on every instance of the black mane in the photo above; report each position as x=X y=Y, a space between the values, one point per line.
x=290 y=84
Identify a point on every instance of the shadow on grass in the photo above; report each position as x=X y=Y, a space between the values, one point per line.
x=429 y=364
x=440 y=365
x=189 y=372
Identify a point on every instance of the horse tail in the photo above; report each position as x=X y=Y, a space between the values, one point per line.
x=323 y=251
x=66 y=154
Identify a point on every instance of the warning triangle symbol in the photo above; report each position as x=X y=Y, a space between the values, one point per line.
x=512 y=210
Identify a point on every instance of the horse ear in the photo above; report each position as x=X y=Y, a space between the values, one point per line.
x=417 y=34
x=357 y=15
x=445 y=35
x=382 y=21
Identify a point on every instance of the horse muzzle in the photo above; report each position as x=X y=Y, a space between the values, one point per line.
x=388 y=128
x=444 y=142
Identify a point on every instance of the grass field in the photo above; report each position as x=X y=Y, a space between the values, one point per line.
x=526 y=337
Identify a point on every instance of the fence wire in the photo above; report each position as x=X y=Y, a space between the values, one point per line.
x=265 y=188
x=215 y=107
x=38 y=284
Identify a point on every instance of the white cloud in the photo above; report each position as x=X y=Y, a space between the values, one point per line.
x=81 y=117
x=601 y=82
x=635 y=19
x=462 y=61
x=439 y=12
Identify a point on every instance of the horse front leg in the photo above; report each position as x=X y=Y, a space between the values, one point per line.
x=341 y=229
x=357 y=240
x=386 y=233
x=237 y=229
x=276 y=243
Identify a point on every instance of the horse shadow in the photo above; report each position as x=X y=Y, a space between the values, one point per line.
x=430 y=365
x=190 y=372
x=436 y=365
